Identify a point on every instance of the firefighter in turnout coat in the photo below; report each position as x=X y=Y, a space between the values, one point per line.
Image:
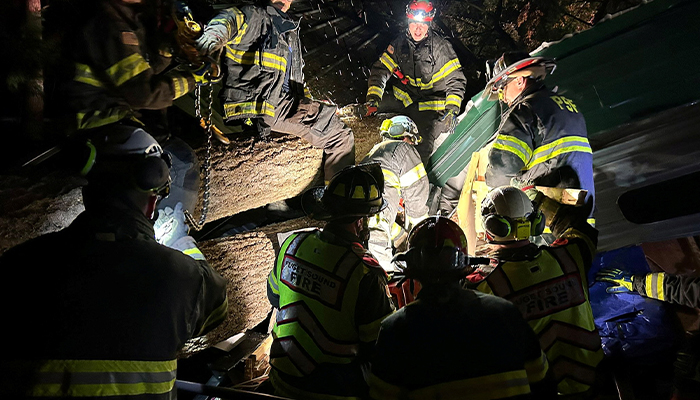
x=264 y=82
x=331 y=295
x=546 y=283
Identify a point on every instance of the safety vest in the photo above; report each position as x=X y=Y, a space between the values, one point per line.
x=550 y=292
x=318 y=285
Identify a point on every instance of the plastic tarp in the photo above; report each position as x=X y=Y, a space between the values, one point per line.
x=630 y=326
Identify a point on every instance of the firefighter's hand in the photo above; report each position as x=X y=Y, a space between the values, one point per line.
x=204 y=74
x=212 y=40
x=526 y=186
x=449 y=119
x=622 y=281
x=170 y=225
x=371 y=106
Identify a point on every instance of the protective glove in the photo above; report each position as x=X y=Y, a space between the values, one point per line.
x=526 y=186
x=202 y=76
x=212 y=40
x=449 y=119
x=622 y=280
x=170 y=225
x=371 y=107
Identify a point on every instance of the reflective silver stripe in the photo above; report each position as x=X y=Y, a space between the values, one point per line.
x=296 y=355
x=388 y=62
x=654 y=285
x=298 y=312
x=403 y=97
x=375 y=90
x=433 y=105
x=413 y=176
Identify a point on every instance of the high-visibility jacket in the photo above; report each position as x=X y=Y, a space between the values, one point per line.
x=116 y=69
x=422 y=352
x=430 y=69
x=104 y=310
x=331 y=297
x=683 y=290
x=548 y=285
x=542 y=139
x=404 y=178
x=262 y=58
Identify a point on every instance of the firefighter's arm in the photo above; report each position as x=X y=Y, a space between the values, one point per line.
x=273 y=279
x=513 y=147
x=539 y=375
x=387 y=366
x=117 y=60
x=373 y=304
x=220 y=30
x=212 y=305
x=415 y=188
x=380 y=73
x=455 y=79
x=676 y=289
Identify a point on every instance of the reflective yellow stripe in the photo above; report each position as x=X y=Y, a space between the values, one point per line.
x=274 y=61
x=567 y=144
x=84 y=74
x=388 y=62
x=395 y=230
x=375 y=90
x=194 y=253
x=402 y=97
x=654 y=285
x=249 y=108
x=127 y=68
x=433 y=105
x=413 y=176
x=181 y=86
x=81 y=378
x=273 y=283
x=446 y=70
x=391 y=180
x=453 y=99
x=537 y=369
x=250 y=58
x=94 y=119
x=513 y=145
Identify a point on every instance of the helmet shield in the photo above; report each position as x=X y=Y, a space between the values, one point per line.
x=400 y=127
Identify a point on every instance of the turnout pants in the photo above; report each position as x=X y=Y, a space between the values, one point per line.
x=316 y=123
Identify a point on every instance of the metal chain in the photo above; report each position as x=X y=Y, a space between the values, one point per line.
x=206 y=166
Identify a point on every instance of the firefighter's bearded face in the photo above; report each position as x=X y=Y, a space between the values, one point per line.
x=418 y=30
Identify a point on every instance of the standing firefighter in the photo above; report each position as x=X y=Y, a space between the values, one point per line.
x=120 y=306
x=421 y=351
x=331 y=294
x=264 y=82
x=405 y=181
x=427 y=82
x=542 y=139
x=546 y=283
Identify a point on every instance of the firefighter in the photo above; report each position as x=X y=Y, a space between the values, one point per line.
x=427 y=82
x=330 y=293
x=104 y=309
x=405 y=183
x=546 y=283
x=264 y=83
x=116 y=58
x=422 y=352
x=542 y=138
x=674 y=289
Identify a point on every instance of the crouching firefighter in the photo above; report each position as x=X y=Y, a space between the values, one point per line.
x=330 y=293
x=405 y=182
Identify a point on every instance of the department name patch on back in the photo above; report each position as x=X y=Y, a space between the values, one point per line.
x=130 y=39
x=311 y=282
x=549 y=297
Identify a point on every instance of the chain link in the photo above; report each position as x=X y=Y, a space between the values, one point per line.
x=206 y=166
